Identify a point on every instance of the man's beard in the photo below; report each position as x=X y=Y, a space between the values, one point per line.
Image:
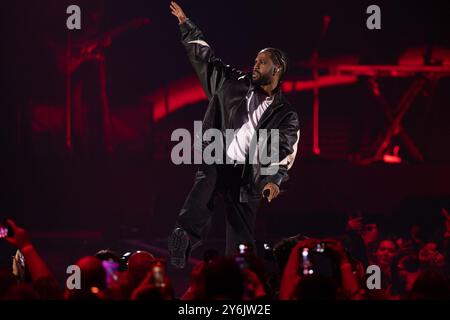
x=263 y=79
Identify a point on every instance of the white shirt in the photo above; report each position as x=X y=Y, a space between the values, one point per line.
x=257 y=103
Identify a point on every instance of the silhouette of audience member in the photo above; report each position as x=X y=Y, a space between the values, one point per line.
x=93 y=280
x=332 y=275
x=42 y=281
x=224 y=280
x=156 y=285
x=139 y=264
x=430 y=285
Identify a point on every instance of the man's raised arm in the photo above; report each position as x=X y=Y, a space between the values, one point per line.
x=211 y=71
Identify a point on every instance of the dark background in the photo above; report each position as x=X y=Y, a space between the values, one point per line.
x=136 y=192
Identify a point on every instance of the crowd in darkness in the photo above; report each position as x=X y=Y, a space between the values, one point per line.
x=411 y=267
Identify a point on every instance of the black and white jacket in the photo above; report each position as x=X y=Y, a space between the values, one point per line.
x=227 y=89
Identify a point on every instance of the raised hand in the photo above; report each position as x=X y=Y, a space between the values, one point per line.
x=337 y=248
x=20 y=238
x=177 y=12
x=355 y=224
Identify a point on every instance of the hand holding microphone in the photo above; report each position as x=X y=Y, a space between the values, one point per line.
x=270 y=191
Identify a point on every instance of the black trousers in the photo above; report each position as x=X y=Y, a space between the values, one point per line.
x=196 y=214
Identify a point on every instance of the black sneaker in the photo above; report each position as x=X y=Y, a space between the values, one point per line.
x=179 y=246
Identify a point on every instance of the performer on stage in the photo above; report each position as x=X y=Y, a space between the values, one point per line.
x=245 y=103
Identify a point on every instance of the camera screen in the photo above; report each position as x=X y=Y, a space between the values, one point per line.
x=317 y=261
x=323 y=264
x=112 y=269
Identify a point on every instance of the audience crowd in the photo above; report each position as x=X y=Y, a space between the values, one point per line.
x=361 y=264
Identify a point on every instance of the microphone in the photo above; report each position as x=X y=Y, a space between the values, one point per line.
x=266 y=193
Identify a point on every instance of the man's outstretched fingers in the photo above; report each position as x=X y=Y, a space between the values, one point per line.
x=177 y=12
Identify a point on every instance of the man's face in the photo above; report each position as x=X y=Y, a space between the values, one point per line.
x=263 y=70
